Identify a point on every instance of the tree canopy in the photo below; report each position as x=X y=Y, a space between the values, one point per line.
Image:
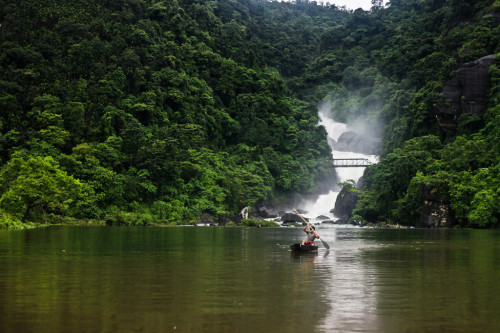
x=175 y=104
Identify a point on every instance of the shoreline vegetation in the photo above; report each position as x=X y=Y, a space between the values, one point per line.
x=9 y=223
x=126 y=219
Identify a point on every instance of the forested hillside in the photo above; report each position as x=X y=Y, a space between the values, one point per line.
x=146 y=111
x=390 y=67
x=164 y=109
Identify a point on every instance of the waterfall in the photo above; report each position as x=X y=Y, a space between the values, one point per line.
x=324 y=203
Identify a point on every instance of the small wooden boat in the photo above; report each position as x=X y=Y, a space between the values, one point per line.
x=298 y=247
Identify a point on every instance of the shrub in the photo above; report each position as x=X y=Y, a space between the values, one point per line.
x=7 y=221
x=256 y=223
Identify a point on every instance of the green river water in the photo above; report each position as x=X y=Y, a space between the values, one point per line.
x=210 y=279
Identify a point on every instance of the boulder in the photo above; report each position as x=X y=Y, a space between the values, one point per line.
x=342 y=220
x=322 y=218
x=291 y=218
x=205 y=218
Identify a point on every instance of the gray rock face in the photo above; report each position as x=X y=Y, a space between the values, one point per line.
x=360 y=184
x=352 y=141
x=205 y=218
x=436 y=211
x=345 y=203
x=267 y=212
x=494 y=16
x=467 y=92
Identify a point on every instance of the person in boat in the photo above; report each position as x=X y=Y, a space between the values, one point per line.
x=311 y=235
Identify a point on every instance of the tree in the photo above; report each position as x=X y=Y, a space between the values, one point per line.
x=47 y=116
x=377 y=4
x=36 y=182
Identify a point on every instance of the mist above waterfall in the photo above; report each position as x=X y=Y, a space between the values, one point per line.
x=368 y=126
x=325 y=203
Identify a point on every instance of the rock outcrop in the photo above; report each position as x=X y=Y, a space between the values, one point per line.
x=346 y=201
x=467 y=92
x=355 y=142
x=494 y=16
x=436 y=212
x=206 y=219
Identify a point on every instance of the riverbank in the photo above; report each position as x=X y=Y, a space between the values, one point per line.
x=11 y=223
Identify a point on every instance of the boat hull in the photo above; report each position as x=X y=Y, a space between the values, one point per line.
x=298 y=247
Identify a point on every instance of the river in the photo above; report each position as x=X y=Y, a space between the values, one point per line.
x=214 y=279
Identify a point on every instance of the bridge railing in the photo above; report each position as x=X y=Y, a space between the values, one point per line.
x=351 y=162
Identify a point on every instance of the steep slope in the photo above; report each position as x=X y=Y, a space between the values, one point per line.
x=169 y=109
x=394 y=67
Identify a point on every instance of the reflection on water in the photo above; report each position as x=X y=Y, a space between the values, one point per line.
x=350 y=291
x=69 y=279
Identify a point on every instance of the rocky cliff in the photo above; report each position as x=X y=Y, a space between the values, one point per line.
x=346 y=201
x=467 y=92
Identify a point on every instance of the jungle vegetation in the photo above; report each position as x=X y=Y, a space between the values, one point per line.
x=148 y=111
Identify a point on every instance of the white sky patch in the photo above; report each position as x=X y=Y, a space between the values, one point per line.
x=353 y=4
x=350 y=4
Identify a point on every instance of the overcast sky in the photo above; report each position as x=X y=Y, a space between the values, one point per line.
x=353 y=4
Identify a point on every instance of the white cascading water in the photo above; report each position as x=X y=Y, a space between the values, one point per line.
x=325 y=203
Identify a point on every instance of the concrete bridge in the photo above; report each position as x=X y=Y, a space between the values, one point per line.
x=351 y=162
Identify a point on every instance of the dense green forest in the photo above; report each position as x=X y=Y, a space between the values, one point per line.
x=394 y=64
x=155 y=111
x=146 y=111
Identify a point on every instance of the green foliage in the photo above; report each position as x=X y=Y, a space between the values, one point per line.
x=119 y=218
x=469 y=124
x=7 y=221
x=422 y=106
x=390 y=66
x=150 y=104
x=36 y=183
x=257 y=223
x=389 y=179
x=475 y=197
x=358 y=219
x=349 y=185
x=407 y=209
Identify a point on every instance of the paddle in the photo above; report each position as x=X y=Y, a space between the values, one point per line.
x=325 y=244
